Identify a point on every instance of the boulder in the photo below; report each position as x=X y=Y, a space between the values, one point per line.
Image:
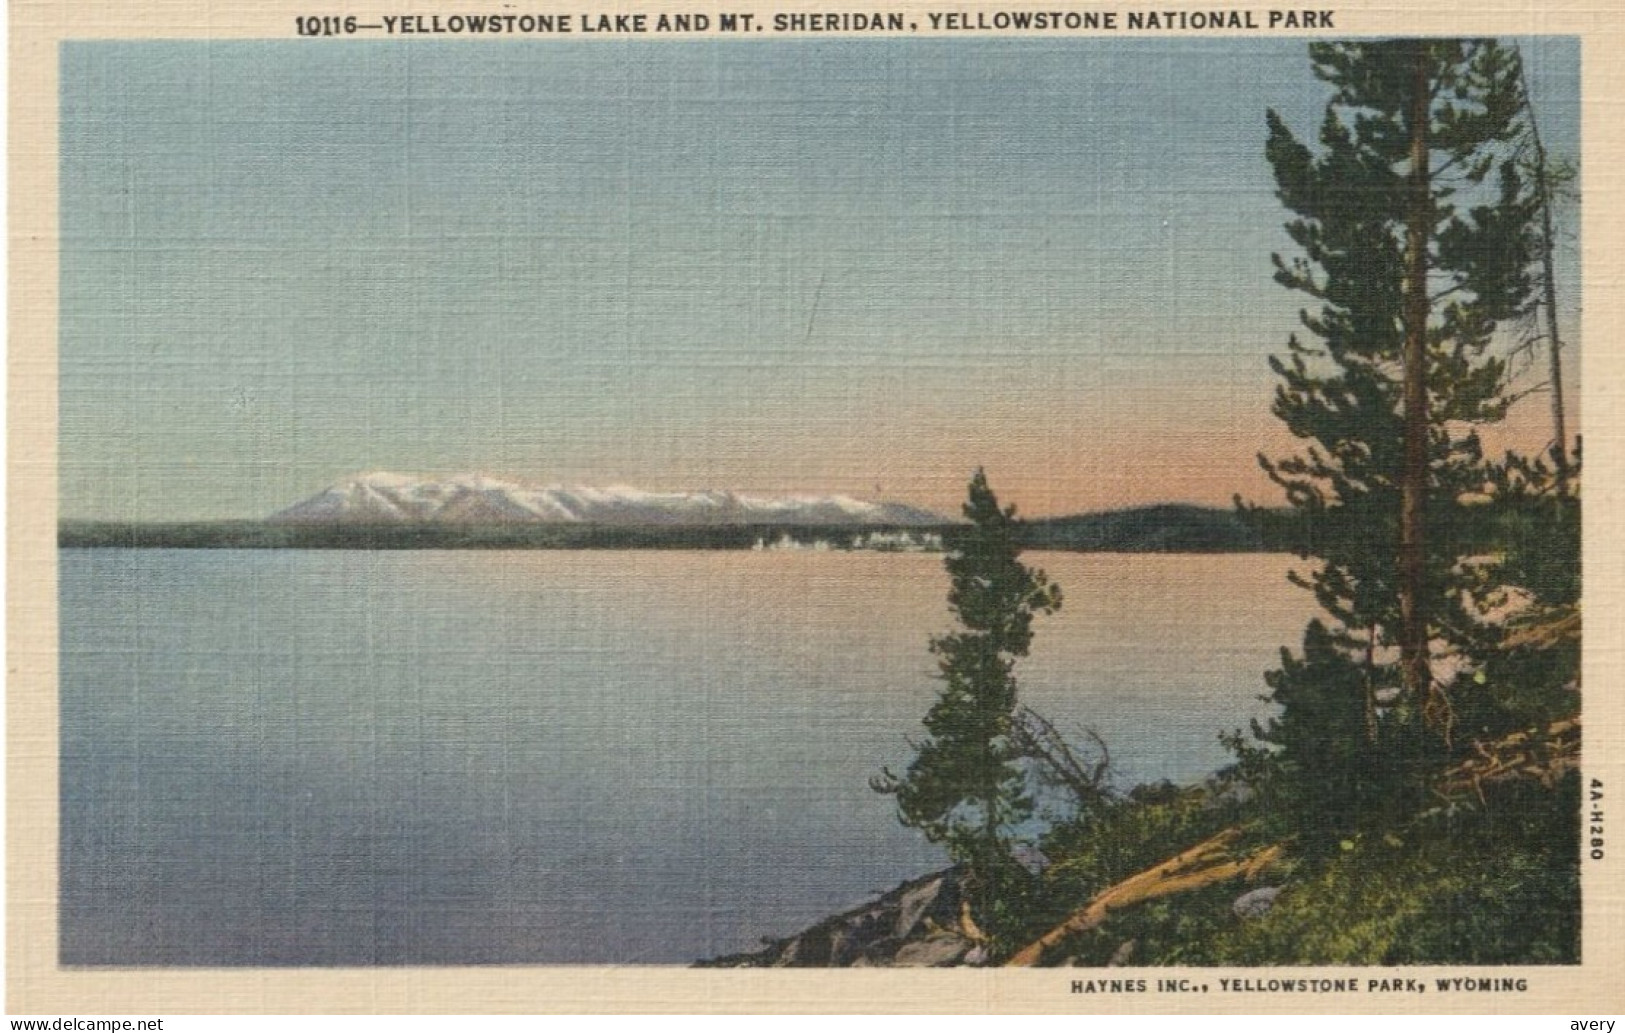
x=1255 y=903
x=914 y=903
x=936 y=952
x=1123 y=954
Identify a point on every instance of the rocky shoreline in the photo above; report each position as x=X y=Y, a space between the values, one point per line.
x=916 y=925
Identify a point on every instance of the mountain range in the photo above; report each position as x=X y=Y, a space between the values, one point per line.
x=475 y=499
x=474 y=511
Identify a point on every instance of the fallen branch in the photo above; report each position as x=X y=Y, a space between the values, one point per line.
x=1206 y=864
x=1559 y=626
x=1523 y=755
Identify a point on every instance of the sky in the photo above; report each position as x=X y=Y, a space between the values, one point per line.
x=834 y=265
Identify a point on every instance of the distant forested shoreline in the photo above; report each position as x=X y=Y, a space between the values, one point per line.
x=1172 y=528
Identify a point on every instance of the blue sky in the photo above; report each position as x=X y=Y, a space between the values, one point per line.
x=852 y=265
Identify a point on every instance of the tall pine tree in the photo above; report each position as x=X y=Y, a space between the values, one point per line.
x=966 y=787
x=1416 y=239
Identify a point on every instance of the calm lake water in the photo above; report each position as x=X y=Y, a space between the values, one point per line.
x=336 y=758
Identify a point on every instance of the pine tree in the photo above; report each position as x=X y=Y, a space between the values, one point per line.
x=1416 y=238
x=966 y=787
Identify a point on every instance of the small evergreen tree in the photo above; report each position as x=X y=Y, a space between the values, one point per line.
x=965 y=787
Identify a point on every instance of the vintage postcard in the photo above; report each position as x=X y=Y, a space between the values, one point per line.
x=567 y=507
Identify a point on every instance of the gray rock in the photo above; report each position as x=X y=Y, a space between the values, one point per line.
x=937 y=952
x=1123 y=954
x=1255 y=903
x=873 y=934
x=1225 y=792
x=784 y=953
x=914 y=904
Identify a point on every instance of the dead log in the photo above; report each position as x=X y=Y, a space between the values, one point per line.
x=1206 y=864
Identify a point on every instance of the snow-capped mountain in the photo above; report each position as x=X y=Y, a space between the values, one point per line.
x=379 y=498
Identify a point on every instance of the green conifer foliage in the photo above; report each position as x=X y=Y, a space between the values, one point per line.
x=966 y=787
x=1416 y=239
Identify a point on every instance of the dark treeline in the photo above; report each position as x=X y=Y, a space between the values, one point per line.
x=1166 y=528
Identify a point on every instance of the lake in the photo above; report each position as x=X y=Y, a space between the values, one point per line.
x=353 y=758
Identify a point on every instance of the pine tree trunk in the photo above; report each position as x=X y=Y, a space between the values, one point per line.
x=1548 y=243
x=1413 y=637
x=1554 y=346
